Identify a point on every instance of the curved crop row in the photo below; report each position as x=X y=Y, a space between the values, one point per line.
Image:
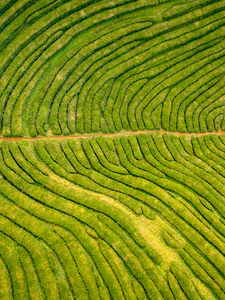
x=102 y=66
x=125 y=215
x=138 y=217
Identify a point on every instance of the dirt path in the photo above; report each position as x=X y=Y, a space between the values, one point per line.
x=116 y=134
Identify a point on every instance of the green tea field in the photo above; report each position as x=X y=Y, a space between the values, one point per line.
x=112 y=150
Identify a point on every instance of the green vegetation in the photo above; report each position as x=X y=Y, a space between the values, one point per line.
x=79 y=217
x=103 y=66
x=112 y=150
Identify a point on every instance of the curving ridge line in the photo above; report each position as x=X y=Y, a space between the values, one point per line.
x=114 y=134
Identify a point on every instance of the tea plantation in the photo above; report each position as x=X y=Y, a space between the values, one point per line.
x=112 y=149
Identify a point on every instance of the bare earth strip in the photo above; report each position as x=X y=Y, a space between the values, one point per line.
x=115 y=134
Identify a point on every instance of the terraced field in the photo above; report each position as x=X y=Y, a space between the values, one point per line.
x=112 y=150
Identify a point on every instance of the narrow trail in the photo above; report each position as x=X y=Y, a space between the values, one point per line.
x=115 y=134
